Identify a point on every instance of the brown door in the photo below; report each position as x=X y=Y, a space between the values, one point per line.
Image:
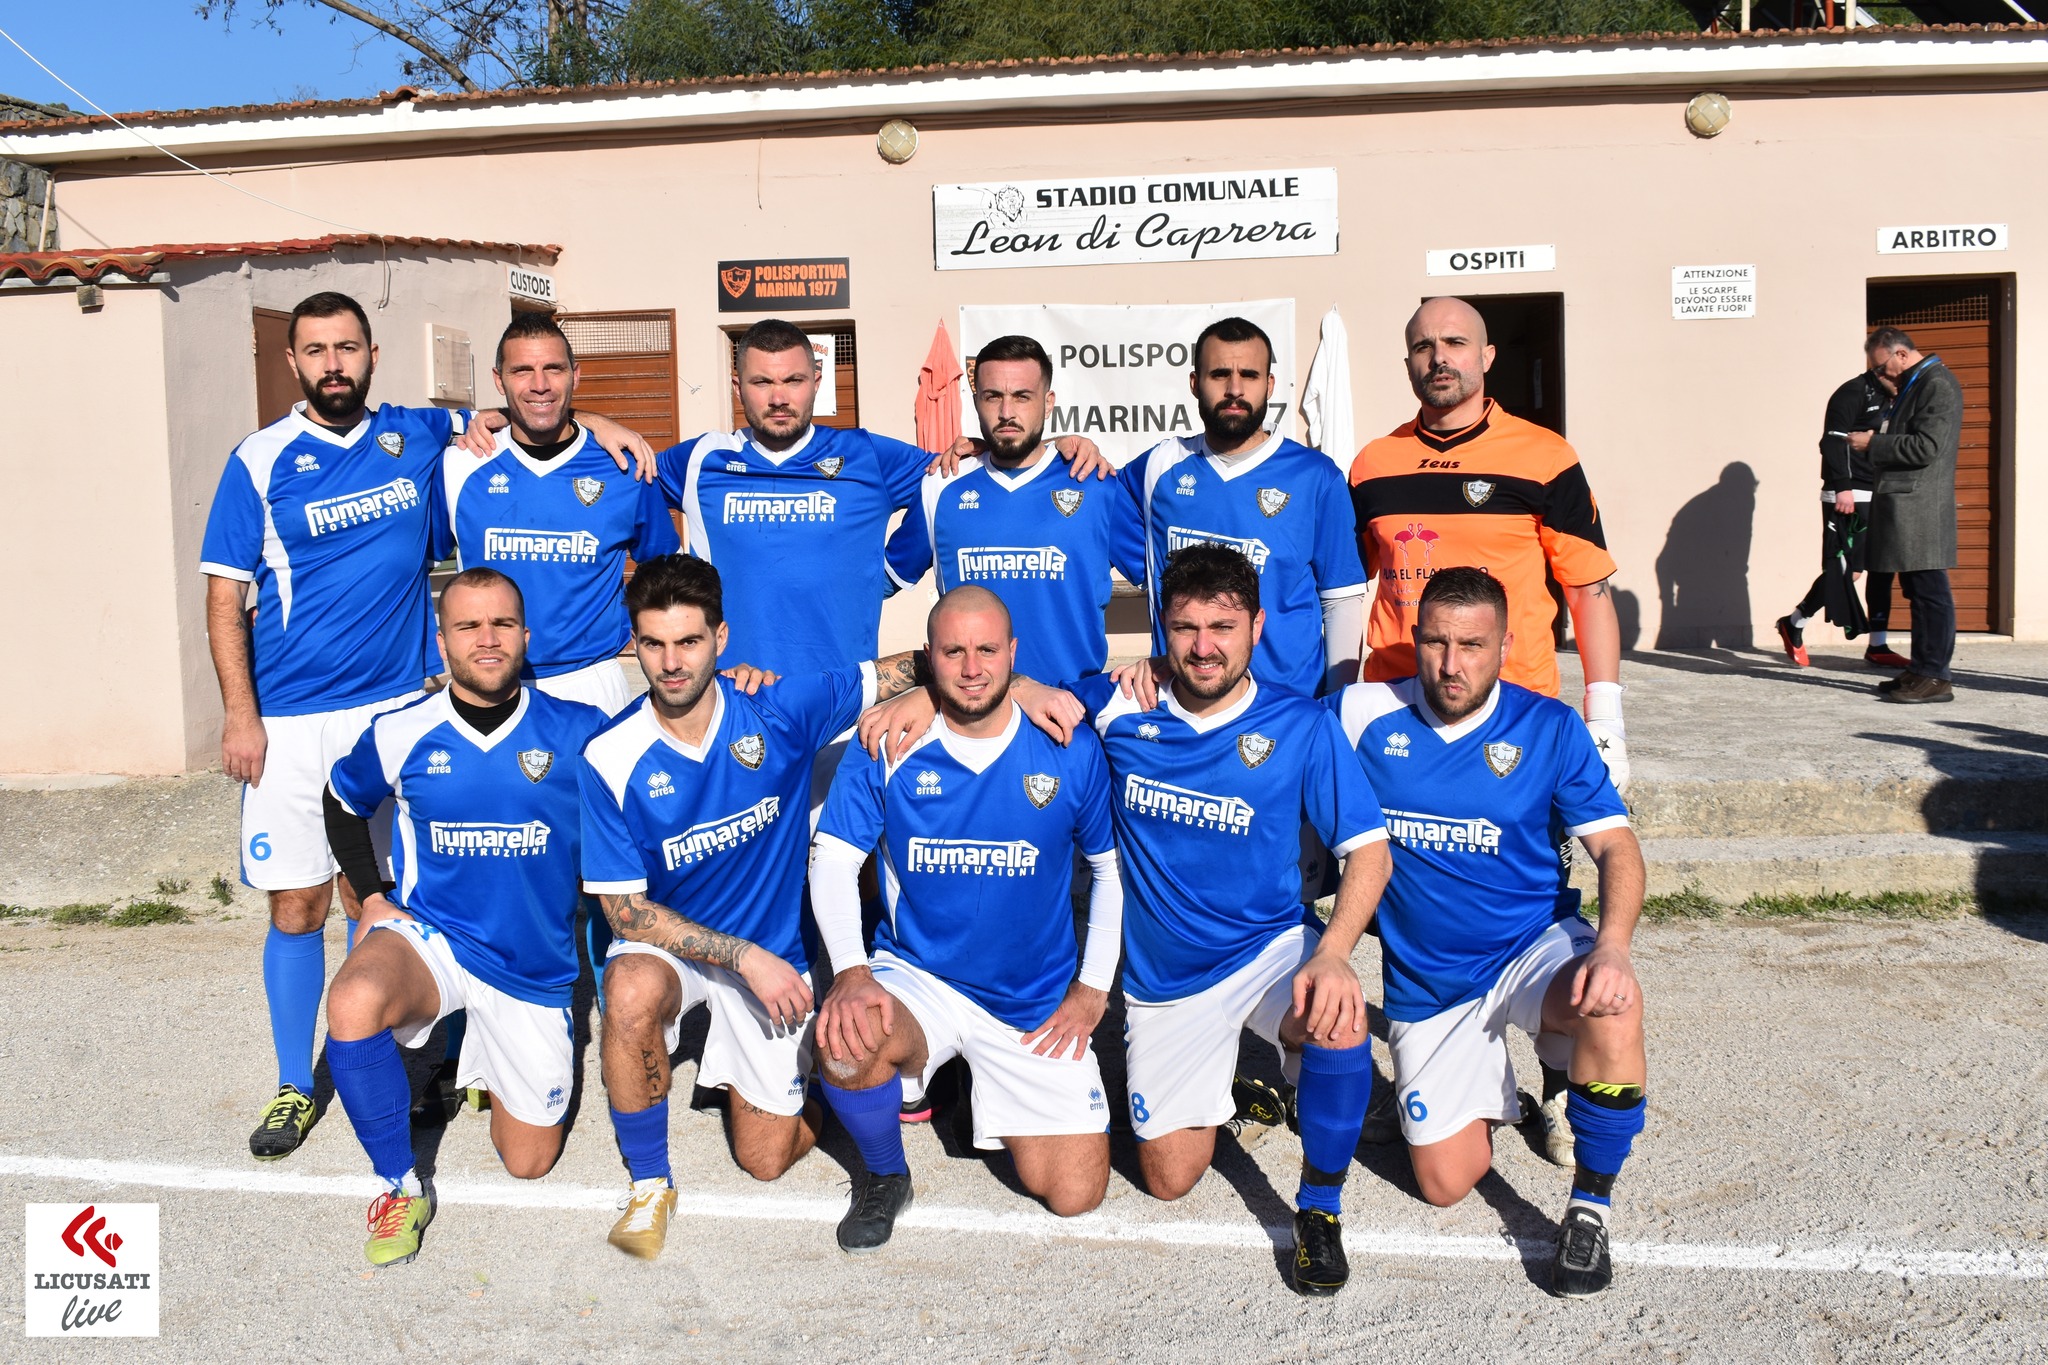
x=626 y=365
x=276 y=387
x=845 y=393
x=1962 y=321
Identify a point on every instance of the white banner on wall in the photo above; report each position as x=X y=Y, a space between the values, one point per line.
x=1120 y=372
x=1202 y=216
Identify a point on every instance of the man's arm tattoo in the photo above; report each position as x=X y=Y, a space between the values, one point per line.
x=1598 y=589
x=634 y=916
x=899 y=673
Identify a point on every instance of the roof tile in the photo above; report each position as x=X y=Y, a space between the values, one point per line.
x=139 y=262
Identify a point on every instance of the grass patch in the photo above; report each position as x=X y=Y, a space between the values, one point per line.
x=15 y=912
x=79 y=913
x=1691 y=903
x=221 y=890
x=1883 y=905
x=139 y=913
x=172 y=886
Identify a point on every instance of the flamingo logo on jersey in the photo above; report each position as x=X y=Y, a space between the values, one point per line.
x=1415 y=533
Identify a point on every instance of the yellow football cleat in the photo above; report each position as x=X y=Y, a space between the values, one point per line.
x=396 y=1221
x=283 y=1126
x=643 y=1227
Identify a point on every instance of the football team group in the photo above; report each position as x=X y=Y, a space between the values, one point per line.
x=1352 y=702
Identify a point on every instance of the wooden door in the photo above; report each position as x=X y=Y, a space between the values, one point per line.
x=277 y=388
x=626 y=364
x=1960 y=321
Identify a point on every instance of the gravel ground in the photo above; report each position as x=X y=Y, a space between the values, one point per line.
x=1815 y=1087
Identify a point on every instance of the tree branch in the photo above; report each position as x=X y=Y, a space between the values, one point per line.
x=406 y=36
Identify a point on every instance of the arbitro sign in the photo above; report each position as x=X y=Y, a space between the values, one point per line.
x=1954 y=237
x=1491 y=260
x=1213 y=216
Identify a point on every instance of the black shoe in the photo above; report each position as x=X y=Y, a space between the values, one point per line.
x=1320 y=1269
x=1894 y=684
x=1914 y=690
x=877 y=1199
x=283 y=1127
x=1382 y=1118
x=441 y=1100
x=1582 y=1268
x=1258 y=1102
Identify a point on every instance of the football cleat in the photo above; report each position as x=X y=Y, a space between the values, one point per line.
x=1259 y=1101
x=877 y=1200
x=643 y=1228
x=1382 y=1118
x=918 y=1110
x=1552 y=1126
x=283 y=1127
x=476 y=1098
x=1319 y=1268
x=1883 y=656
x=396 y=1221
x=1793 y=639
x=1582 y=1267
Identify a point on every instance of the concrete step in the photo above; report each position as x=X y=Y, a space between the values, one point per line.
x=1731 y=870
x=1793 y=807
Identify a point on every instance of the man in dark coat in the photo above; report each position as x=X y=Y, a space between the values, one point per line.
x=1846 y=482
x=1913 y=508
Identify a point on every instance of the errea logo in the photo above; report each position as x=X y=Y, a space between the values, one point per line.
x=501 y=483
x=1187 y=486
x=438 y=762
x=1148 y=731
x=306 y=463
x=970 y=500
x=735 y=466
x=1397 y=745
x=659 y=784
x=928 y=783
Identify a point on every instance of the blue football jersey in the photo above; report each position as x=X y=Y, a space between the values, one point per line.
x=1040 y=539
x=562 y=529
x=335 y=529
x=1287 y=509
x=720 y=834
x=1478 y=813
x=797 y=538
x=1208 y=826
x=487 y=831
x=978 y=840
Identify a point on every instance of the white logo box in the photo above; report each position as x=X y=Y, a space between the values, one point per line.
x=90 y=1270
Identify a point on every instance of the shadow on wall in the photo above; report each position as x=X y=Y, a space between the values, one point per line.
x=1703 y=570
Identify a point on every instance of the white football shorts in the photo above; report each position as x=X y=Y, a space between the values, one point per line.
x=1453 y=1067
x=744 y=1049
x=1181 y=1054
x=1017 y=1093
x=602 y=684
x=284 y=835
x=523 y=1053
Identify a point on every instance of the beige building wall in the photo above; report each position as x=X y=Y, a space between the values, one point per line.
x=1662 y=411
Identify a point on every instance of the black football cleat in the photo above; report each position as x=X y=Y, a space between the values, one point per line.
x=1582 y=1268
x=877 y=1199
x=1319 y=1269
x=1258 y=1102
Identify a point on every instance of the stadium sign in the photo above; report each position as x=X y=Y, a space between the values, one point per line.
x=1120 y=373
x=1490 y=260
x=1713 y=291
x=1202 y=216
x=1954 y=237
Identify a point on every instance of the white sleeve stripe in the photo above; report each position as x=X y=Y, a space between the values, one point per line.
x=1338 y=594
x=1352 y=845
x=226 y=571
x=1117 y=705
x=615 y=888
x=898 y=579
x=835 y=899
x=342 y=801
x=1595 y=826
x=1365 y=703
x=869 y=686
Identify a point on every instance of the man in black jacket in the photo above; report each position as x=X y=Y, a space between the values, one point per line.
x=1845 y=488
x=1913 y=507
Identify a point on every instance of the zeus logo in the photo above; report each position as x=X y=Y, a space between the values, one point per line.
x=985 y=857
x=488 y=841
x=503 y=542
x=699 y=842
x=353 y=509
x=1164 y=801
x=1443 y=833
x=1012 y=561
x=813 y=506
x=1251 y=547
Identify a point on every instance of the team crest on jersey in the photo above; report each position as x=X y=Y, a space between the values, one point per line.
x=1254 y=749
x=392 y=443
x=1502 y=758
x=306 y=463
x=437 y=762
x=1187 y=486
x=1041 y=788
x=501 y=483
x=1148 y=731
x=535 y=763
x=1478 y=491
x=1271 y=500
x=830 y=466
x=1067 y=500
x=588 y=491
x=749 y=749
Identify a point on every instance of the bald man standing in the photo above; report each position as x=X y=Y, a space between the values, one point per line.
x=1467 y=483
x=978 y=822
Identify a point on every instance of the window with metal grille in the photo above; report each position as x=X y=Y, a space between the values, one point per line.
x=619 y=333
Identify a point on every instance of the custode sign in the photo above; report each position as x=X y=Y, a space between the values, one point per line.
x=811 y=283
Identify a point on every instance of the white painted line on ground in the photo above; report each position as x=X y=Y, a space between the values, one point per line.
x=2012 y=1264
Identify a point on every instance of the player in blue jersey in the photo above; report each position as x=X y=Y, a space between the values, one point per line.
x=551 y=510
x=482 y=917
x=1482 y=781
x=1019 y=521
x=330 y=513
x=1213 y=786
x=695 y=823
x=1286 y=508
x=797 y=514
x=979 y=822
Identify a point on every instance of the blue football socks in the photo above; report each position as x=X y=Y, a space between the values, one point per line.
x=873 y=1118
x=294 y=975
x=1336 y=1087
x=369 y=1079
x=643 y=1141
